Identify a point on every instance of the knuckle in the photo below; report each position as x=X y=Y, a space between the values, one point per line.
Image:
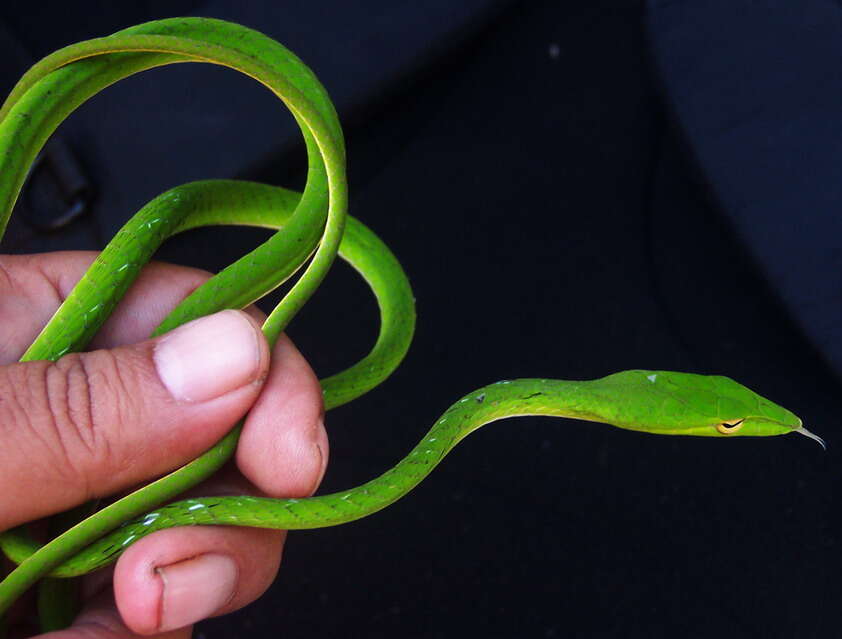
x=68 y=408
x=93 y=394
x=30 y=426
x=70 y=401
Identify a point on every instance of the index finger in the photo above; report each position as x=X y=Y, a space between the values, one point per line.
x=34 y=286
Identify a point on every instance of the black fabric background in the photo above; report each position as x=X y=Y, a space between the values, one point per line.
x=549 y=213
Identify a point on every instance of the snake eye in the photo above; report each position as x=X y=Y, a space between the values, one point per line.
x=729 y=428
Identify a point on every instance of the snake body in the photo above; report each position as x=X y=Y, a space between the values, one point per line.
x=313 y=226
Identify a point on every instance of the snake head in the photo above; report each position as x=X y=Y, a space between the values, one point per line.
x=703 y=405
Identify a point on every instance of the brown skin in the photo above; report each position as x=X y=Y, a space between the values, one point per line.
x=282 y=451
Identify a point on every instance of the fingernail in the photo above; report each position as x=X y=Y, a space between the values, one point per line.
x=195 y=588
x=209 y=357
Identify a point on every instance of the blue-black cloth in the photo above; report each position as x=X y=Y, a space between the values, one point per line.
x=756 y=89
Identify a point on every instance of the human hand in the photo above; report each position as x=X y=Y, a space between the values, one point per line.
x=98 y=423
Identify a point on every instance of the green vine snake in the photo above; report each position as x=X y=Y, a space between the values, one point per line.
x=314 y=228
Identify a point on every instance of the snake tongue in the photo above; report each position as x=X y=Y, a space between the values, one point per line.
x=803 y=431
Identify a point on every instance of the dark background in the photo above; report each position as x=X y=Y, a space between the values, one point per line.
x=568 y=200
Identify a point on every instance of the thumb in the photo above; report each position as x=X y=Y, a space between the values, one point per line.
x=94 y=423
